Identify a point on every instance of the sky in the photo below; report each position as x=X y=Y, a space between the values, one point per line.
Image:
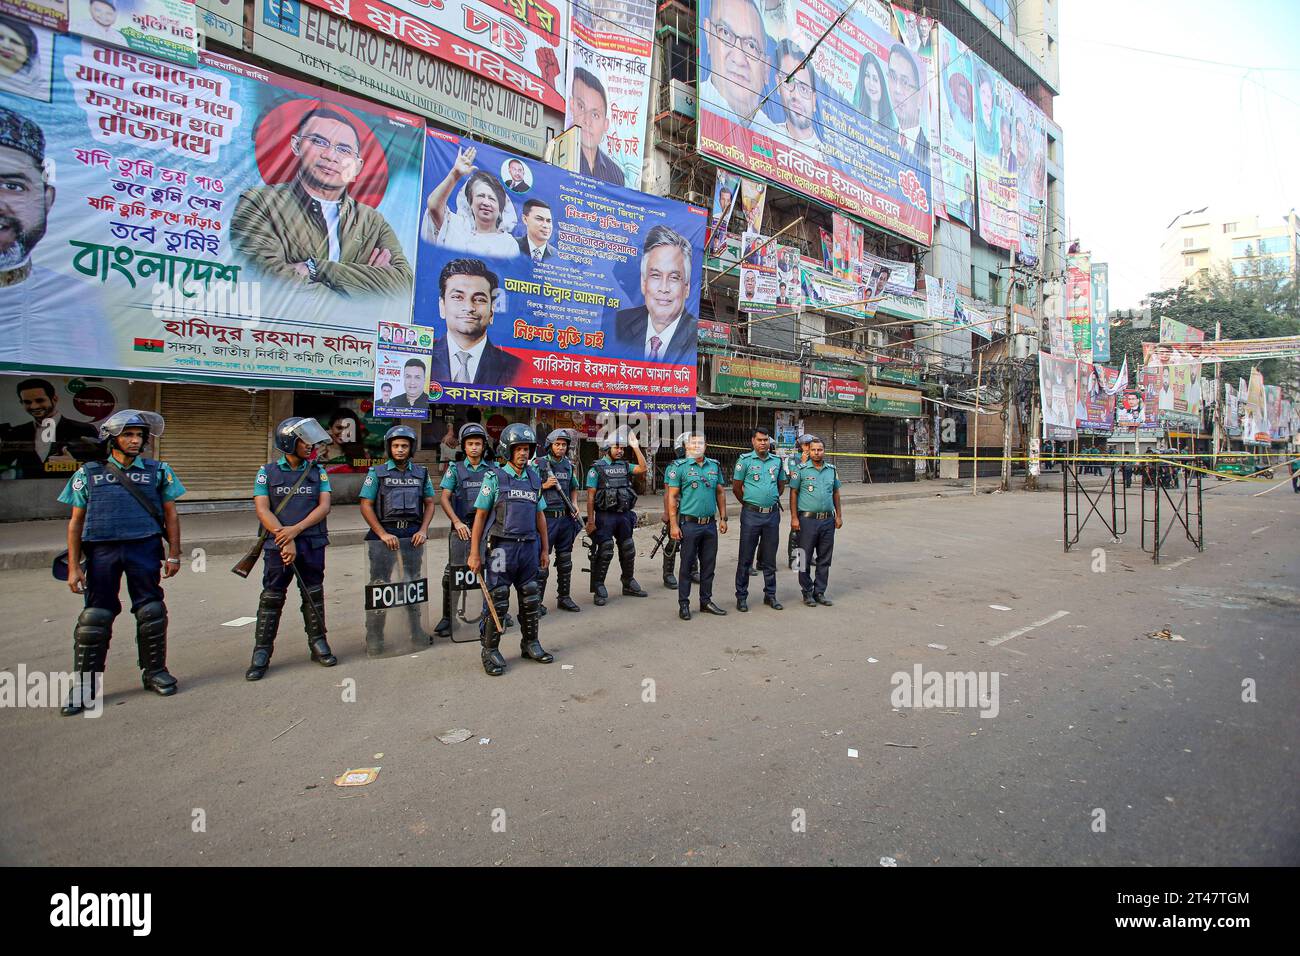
x=1149 y=136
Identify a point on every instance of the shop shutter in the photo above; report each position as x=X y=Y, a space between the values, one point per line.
x=849 y=438
x=216 y=439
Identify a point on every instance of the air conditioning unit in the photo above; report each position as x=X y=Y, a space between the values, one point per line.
x=876 y=339
x=697 y=199
x=1023 y=346
x=681 y=98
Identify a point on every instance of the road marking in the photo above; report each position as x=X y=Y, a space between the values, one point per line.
x=1265 y=528
x=1179 y=563
x=1025 y=630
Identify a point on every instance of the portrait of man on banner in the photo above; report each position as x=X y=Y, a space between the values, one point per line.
x=661 y=329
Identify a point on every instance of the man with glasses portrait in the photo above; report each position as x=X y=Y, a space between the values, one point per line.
x=309 y=231
x=738 y=65
x=661 y=330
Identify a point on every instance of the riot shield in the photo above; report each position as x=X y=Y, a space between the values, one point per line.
x=400 y=597
x=463 y=595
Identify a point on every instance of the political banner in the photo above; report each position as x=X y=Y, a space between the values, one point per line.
x=1031 y=178
x=995 y=157
x=920 y=37
x=1171 y=330
x=756 y=378
x=846 y=249
x=1058 y=390
x=957 y=126
x=217 y=224
x=609 y=84
x=1078 y=302
x=1179 y=395
x=753 y=202
x=50 y=14
x=403 y=354
x=48 y=422
x=1273 y=396
x=850 y=129
x=1097 y=385
x=844 y=384
x=571 y=294
x=813 y=388
x=160 y=28
x=26 y=59
x=758 y=281
x=714 y=334
x=1129 y=409
x=518 y=45
x=900 y=277
x=821 y=290
x=1231 y=410
x=221 y=20
x=726 y=190
x=1100 y=275
x=333 y=49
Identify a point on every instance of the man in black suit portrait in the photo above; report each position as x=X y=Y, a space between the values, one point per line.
x=415 y=385
x=467 y=291
x=48 y=437
x=539 y=223
x=661 y=330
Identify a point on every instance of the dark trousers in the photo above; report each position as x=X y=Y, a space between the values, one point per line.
x=277 y=576
x=618 y=525
x=762 y=533
x=699 y=542
x=107 y=561
x=561 y=532
x=816 y=537
x=509 y=564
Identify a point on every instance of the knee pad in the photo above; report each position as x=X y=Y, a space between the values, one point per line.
x=93 y=626
x=153 y=611
x=563 y=561
x=501 y=597
x=606 y=551
x=627 y=548
x=529 y=593
x=271 y=600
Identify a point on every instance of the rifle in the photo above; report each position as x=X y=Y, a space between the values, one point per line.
x=244 y=567
x=665 y=541
x=568 y=498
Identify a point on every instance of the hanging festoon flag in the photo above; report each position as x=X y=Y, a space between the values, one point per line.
x=1078 y=302
x=725 y=193
x=1121 y=382
x=753 y=200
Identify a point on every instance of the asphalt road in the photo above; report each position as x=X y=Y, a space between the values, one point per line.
x=751 y=724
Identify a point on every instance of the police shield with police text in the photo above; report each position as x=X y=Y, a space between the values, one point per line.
x=122 y=508
x=460 y=487
x=397 y=504
x=509 y=517
x=292 y=498
x=757 y=484
x=610 y=518
x=815 y=513
x=560 y=490
x=696 y=503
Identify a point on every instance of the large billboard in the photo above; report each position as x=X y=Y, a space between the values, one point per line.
x=1078 y=302
x=333 y=49
x=1058 y=389
x=957 y=126
x=520 y=45
x=1031 y=178
x=609 y=86
x=996 y=165
x=164 y=28
x=849 y=129
x=216 y=223
x=549 y=289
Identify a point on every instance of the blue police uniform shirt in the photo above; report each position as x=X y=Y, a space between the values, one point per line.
x=575 y=477
x=487 y=495
x=74 y=492
x=698 y=482
x=449 y=479
x=816 y=486
x=370 y=487
x=593 y=477
x=259 y=485
x=760 y=477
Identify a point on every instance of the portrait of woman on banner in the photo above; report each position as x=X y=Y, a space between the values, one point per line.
x=873 y=93
x=484 y=217
x=986 y=125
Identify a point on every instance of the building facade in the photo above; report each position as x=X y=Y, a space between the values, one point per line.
x=1255 y=247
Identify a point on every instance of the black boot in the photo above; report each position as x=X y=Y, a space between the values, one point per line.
x=563 y=577
x=493 y=663
x=599 y=568
x=374 y=633
x=89 y=653
x=269 y=607
x=418 y=637
x=313 y=619
x=529 y=645
x=151 y=643
x=627 y=564
x=542 y=578
x=443 y=627
x=670 y=558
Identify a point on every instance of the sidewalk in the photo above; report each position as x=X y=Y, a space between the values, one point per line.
x=34 y=544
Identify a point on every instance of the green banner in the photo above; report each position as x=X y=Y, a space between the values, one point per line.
x=756 y=379
x=894 y=402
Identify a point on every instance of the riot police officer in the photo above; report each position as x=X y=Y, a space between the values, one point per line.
x=796 y=460
x=696 y=501
x=122 y=508
x=815 y=513
x=460 y=487
x=560 y=489
x=509 y=514
x=672 y=548
x=610 y=518
x=757 y=483
x=292 y=497
x=397 y=504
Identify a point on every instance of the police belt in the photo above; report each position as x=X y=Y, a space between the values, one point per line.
x=693 y=519
x=762 y=511
x=399 y=525
x=817 y=514
x=514 y=538
x=556 y=512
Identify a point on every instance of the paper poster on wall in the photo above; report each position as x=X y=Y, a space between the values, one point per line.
x=403 y=356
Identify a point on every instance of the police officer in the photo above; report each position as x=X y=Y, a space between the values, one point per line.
x=460 y=487
x=292 y=497
x=509 y=514
x=814 y=515
x=397 y=504
x=796 y=460
x=560 y=489
x=672 y=548
x=610 y=518
x=757 y=484
x=120 y=533
x=696 y=501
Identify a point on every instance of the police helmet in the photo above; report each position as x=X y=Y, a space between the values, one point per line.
x=617 y=437
x=807 y=438
x=472 y=430
x=560 y=434
x=399 y=431
x=115 y=424
x=290 y=430
x=516 y=434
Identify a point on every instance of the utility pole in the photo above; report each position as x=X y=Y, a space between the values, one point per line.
x=1012 y=379
x=975 y=470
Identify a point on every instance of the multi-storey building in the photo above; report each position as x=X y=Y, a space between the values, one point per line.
x=1255 y=247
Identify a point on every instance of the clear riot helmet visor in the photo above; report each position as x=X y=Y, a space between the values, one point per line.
x=310 y=431
x=115 y=424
